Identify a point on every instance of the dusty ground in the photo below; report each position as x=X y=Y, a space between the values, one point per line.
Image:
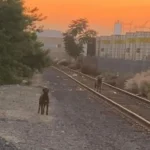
x=75 y=122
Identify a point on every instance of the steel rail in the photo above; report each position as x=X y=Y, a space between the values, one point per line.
x=137 y=118
x=113 y=87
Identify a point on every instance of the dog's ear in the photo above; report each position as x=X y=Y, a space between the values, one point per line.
x=44 y=90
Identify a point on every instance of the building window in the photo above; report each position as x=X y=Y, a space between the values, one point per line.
x=128 y=50
x=102 y=49
x=138 y=50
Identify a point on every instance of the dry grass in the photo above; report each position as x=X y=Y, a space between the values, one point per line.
x=139 y=84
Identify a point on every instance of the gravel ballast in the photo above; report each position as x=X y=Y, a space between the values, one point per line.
x=94 y=123
x=77 y=119
x=5 y=145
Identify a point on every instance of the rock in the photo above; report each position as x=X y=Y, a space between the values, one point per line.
x=24 y=82
x=74 y=75
x=7 y=143
x=62 y=131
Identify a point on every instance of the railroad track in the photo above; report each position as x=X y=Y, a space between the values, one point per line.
x=135 y=107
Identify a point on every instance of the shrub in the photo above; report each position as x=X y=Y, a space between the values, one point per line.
x=110 y=79
x=74 y=66
x=90 y=70
x=116 y=80
x=139 y=84
x=63 y=62
x=55 y=61
x=121 y=79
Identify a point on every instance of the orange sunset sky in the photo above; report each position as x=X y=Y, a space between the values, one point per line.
x=101 y=13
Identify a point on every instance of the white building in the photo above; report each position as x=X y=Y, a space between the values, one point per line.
x=53 y=40
x=131 y=46
x=117 y=28
x=55 y=45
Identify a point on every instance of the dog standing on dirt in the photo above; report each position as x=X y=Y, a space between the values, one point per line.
x=44 y=102
x=98 y=83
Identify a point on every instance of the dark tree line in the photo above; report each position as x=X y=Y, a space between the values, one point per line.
x=20 y=51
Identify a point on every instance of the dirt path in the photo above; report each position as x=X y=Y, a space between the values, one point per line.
x=19 y=122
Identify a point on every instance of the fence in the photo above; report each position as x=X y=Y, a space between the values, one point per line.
x=118 y=65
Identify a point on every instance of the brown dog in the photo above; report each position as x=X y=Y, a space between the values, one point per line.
x=98 y=83
x=44 y=101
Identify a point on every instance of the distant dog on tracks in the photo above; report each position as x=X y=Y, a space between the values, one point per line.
x=44 y=102
x=98 y=83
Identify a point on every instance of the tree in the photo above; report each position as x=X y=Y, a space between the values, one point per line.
x=20 y=51
x=76 y=36
x=72 y=48
x=78 y=26
x=87 y=36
